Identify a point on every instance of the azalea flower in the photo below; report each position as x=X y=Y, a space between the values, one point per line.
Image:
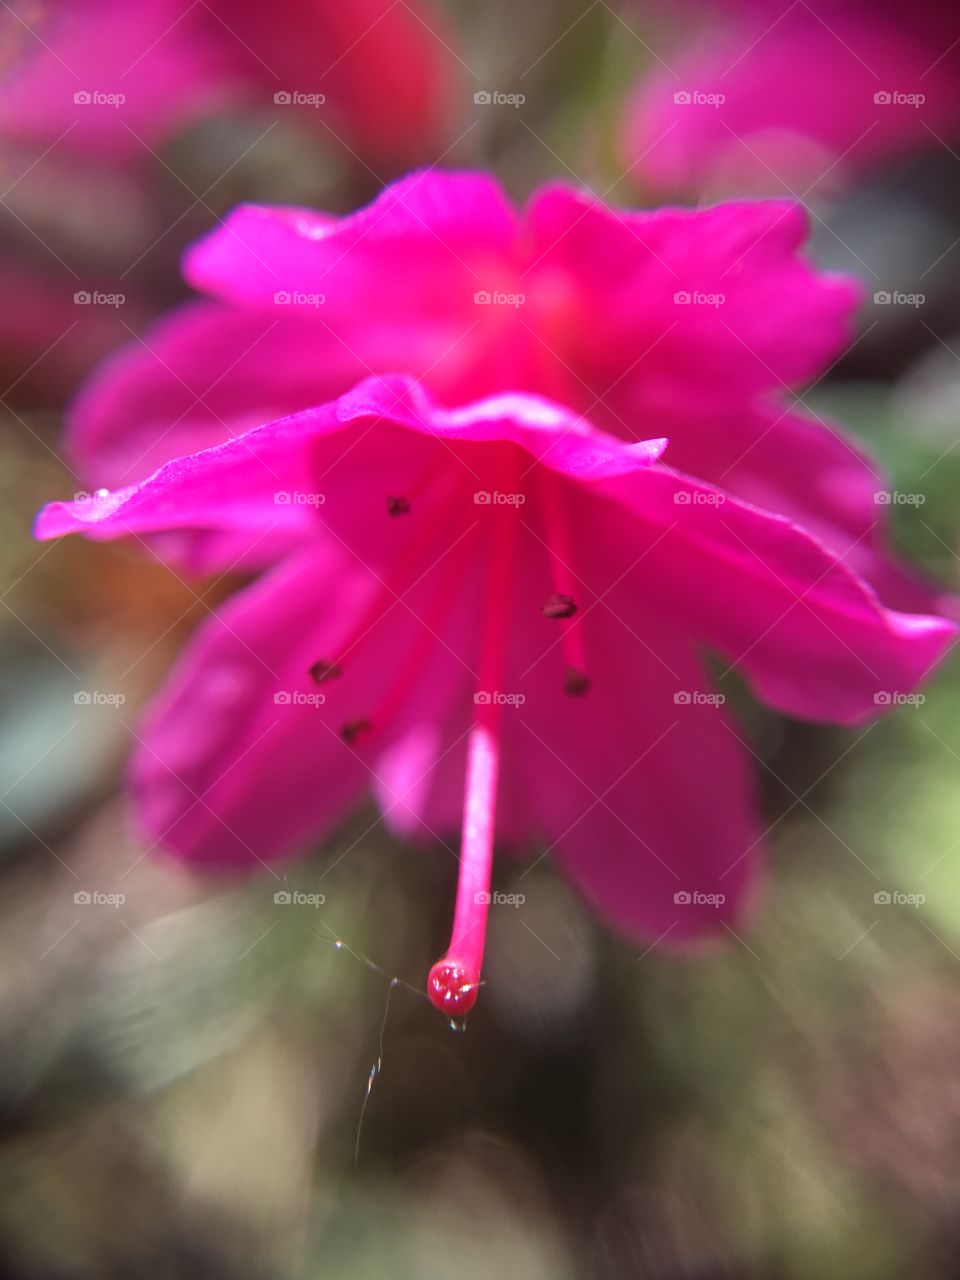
x=479 y=567
x=496 y=608
x=697 y=325
x=800 y=101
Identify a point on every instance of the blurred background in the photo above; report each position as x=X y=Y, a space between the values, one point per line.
x=206 y=1079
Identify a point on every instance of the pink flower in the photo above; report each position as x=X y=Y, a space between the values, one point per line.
x=501 y=594
x=116 y=78
x=486 y=596
x=768 y=102
x=692 y=324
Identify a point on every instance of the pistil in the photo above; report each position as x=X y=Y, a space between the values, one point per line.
x=454 y=980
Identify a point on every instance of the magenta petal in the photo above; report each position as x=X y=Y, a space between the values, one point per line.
x=262 y=481
x=647 y=801
x=417 y=248
x=715 y=300
x=811 y=636
x=203 y=374
x=242 y=757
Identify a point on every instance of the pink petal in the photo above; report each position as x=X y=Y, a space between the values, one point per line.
x=811 y=636
x=420 y=249
x=686 y=305
x=242 y=757
x=643 y=799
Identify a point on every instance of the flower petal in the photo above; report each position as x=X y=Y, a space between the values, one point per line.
x=687 y=304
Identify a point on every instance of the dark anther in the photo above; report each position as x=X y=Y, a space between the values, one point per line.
x=321 y=671
x=397 y=506
x=576 y=683
x=560 y=607
x=354 y=729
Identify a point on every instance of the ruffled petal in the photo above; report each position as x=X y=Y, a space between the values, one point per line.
x=685 y=305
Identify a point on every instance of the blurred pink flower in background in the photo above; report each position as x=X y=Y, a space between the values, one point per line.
x=480 y=570
x=798 y=98
x=94 y=90
x=115 y=78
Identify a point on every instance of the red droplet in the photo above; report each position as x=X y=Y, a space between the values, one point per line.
x=452 y=989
